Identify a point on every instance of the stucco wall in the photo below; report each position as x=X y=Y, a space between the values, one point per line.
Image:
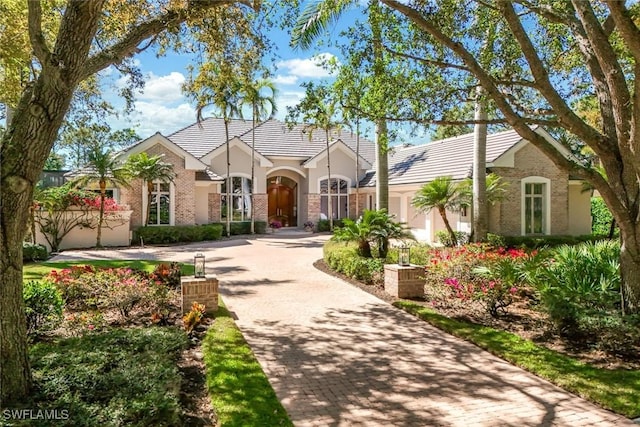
x=579 y=210
x=115 y=232
x=202 y=203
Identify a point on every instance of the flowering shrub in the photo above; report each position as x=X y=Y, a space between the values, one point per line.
x=87 y=288
x=81 y=323
x=478 y=272
x=275 y=224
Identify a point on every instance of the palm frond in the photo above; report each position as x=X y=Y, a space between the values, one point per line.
x=315 y=19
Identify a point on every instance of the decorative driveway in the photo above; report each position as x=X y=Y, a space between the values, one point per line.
x=338 y=356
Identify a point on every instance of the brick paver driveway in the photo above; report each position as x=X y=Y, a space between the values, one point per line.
x=337 y=356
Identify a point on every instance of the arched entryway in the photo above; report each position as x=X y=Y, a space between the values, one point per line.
x=283 y=200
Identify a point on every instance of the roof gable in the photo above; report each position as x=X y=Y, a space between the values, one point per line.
x=190 y=162
x=236 y=142
x=336 y=145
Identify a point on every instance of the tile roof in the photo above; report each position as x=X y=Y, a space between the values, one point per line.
x=208 y=175
x=448 y=157
x=273 y=138
x=200 y=138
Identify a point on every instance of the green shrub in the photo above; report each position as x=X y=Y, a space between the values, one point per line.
x=419 y=254
x=444 y=238
x=43 y=306
x=244 y=227
x=33 y=252
x=344 y=259
x=177 y=234
x=578 y=280
x=538 y=242
x=601 y=217
x=323 y=224
x=121 y=377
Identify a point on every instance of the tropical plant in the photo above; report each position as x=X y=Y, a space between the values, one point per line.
x=221 y=89
x=441 y=194
x=150 y=170
x=262 y=106
x=318 y=110
x=104 y=169
x=374 y=226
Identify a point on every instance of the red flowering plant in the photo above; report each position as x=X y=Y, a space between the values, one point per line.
x=478 y=272
x=123 y=289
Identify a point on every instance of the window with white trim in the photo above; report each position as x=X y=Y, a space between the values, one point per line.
x=535 y=205
x=240 y=199
x=160 y=204
x=339 y=198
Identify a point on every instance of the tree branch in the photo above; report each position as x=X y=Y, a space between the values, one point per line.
x=128 y=45
x=625 y=25
x=608 y=60
x=440 y=64
x=38 y=43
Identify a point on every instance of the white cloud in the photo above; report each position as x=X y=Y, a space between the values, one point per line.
x=285 y=79
x=287 y=99
x=149 y=118
x=163 y=88
x=309 y=67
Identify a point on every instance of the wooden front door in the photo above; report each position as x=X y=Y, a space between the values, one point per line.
x=281 y=199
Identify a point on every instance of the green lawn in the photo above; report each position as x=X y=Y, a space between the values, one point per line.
x=614 y=389
x=35 y=270
x=239 y=389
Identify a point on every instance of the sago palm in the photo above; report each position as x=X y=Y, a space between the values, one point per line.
x=440 y=194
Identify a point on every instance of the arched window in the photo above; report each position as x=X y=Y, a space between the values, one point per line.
x=339 y=198
x=160 y=205
x=240 y=199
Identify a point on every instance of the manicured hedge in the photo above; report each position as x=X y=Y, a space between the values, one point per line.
x=177 y=234
x=537 y=242
x=33 y=252
x=323 y=224
x=344 y=258
x=244 y=227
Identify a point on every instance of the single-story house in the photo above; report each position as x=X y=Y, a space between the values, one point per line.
x=541 y=199
x=290 y=182
x=290 y=175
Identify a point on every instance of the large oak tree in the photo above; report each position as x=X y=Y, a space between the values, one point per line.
x=84 y=38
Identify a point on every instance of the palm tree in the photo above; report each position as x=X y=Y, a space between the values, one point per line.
x=262 y=107
x=104 y=169
x=316 y=18
x=442 y=194
x=149 y=169
x=318 y=109
x=222 y=92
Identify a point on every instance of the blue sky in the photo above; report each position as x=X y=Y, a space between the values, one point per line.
x=161 y=106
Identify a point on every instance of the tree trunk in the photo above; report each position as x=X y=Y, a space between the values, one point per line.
x=103 y=194
x=228 y=192
x=357 y=175
x=382 y=166
x=630 y=266
x=149 y=195
x=452 y=234
x=330 y=202
x=364 y=248
x=480 y=210
x=253 y=168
